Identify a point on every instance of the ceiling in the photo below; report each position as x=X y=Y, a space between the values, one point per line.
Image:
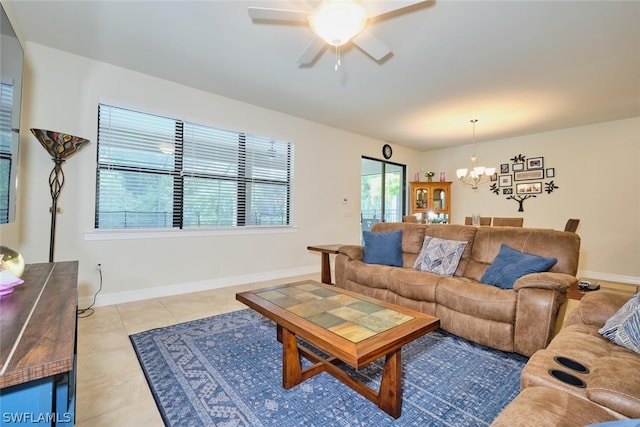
x=519 y=67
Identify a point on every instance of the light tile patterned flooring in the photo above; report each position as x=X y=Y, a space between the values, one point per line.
x=111 y=388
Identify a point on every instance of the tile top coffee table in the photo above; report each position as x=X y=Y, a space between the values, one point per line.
x=352 y=328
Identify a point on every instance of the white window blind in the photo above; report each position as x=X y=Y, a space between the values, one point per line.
x=157 y=172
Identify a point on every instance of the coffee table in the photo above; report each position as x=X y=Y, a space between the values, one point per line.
x=351 y=328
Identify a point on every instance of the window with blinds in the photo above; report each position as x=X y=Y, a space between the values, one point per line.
x=158 y=172
x=6 y=149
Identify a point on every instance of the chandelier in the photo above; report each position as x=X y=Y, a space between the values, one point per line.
x=476 y=175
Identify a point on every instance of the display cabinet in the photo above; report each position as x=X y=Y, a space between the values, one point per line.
x=431 y=201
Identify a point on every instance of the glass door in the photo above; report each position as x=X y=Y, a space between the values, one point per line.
x=382 y=192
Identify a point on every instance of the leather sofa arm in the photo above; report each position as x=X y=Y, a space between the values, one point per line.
x=598 y=306
x=615 y=383
x=354 y=252
x=539 y=296
x=560 y=282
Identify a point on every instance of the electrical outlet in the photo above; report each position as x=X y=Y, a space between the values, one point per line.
x=99 y=267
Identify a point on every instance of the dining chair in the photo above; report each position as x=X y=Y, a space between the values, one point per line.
x=572 y=225
x=484 y=220
x=510 y=222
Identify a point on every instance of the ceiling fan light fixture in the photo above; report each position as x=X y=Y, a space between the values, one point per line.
x=337 y=22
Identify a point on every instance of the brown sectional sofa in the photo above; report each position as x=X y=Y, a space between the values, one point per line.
x=519 y=320
x=610 y=389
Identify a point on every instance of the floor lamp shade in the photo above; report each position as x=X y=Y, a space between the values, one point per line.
x=60 y=146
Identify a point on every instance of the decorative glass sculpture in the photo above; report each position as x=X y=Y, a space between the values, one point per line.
x=11 y=268
x=11 y=260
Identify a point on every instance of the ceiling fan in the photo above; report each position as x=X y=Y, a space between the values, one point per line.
x=336 y=22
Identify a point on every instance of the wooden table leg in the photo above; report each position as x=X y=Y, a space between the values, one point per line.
x=326 y=269
x=390 y=394
x=291 y=364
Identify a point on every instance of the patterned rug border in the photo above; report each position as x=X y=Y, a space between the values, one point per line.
x=441 y=408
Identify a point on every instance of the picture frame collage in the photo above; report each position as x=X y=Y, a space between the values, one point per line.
x=526 y=173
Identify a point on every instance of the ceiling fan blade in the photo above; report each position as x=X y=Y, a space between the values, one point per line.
x=278 y=14
x=312 y=51
x=377 y=8
x=371 y=45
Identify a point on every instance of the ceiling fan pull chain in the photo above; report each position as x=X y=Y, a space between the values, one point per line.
x=337 y=58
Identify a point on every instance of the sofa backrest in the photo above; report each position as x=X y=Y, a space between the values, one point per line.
x=562 y=245
x=484 y=244
x=413 y=236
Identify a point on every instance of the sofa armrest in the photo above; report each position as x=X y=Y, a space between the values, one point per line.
x=615 y=384
x=560 y=282
x=598 y=306
x=354 y=252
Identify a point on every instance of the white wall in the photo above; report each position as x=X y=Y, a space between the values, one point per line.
x=598 y=177
x=596 y=170
x=62 y=92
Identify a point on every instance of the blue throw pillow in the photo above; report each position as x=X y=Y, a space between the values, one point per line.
x=623 y=328
x=511 y=264
x=383 y=248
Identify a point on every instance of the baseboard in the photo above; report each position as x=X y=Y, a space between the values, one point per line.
x=632 y=280
x=185 y=288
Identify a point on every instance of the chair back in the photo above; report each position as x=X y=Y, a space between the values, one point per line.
x=572 y=225
x=409 y=218
x=509 y=222
x=484 y=220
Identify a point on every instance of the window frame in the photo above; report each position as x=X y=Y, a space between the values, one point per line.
x=243 y=180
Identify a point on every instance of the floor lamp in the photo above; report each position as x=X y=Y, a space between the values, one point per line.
x=60 y=146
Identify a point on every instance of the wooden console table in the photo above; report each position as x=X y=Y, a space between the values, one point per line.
x=38 y=324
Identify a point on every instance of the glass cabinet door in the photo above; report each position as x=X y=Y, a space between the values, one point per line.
x=422 y=197
x=439 y=199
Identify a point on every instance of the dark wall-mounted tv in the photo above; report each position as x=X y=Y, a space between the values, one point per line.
x=11 y=61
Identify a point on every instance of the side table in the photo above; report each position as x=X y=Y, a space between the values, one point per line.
x=326 y=250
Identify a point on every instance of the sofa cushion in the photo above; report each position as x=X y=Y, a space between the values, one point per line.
x=477 y=299
x=440 y=256
x=412 y=284
x=383 y=248
x=510 y=264
x=371 y=275
x=623 y=327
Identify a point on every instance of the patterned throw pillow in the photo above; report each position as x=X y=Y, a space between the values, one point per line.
x=439 y=256
x=383 y=248
x=623 y=328
x=510 y=264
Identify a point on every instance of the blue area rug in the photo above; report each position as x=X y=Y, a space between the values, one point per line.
x=227 y=371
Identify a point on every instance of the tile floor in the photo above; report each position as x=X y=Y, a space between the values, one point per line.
x=111 y=388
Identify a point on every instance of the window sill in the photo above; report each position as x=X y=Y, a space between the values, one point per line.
x=134 y=234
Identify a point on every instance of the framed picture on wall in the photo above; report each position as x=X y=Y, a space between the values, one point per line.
x=507 y=190
x=518 y=166
x=505 y=181
x=529 y=188
x=504 y=168
x=535 y=163
x=527 y=175
x=551 y=172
